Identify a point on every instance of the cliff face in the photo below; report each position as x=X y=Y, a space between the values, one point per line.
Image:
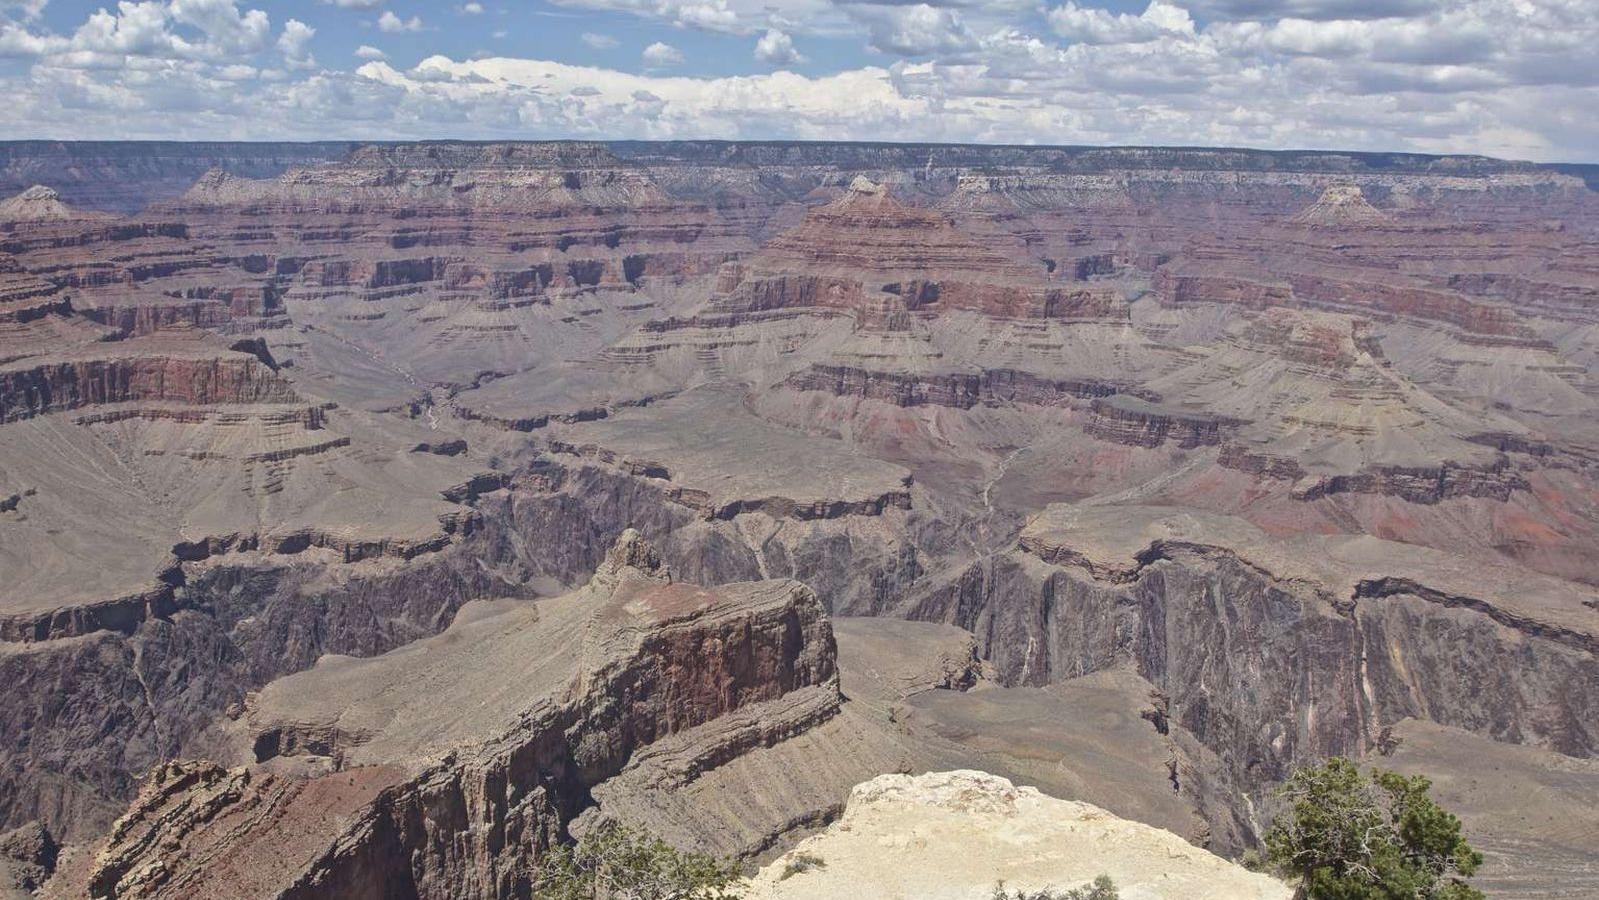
x=447 y=176
x=124 y=177
x=1142 y=425
x=1315 y=657
x=52 y=387
x=992 y=387
x=653 y=659
x=145 y=682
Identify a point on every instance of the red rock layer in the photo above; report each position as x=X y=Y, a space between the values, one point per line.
x=31 y=390
x=1136 y=424
x=874 y=256
x=960 y=390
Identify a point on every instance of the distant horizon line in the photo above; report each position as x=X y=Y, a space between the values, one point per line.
x=1192 y=148
x=1071 y=148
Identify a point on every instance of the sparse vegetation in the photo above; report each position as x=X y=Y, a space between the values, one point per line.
x=1102 y=888
x=800 y=863
x=617 y=863
x=1255 y=861
x=1348 y=835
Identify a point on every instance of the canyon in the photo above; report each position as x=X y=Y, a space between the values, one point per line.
x=373 y=517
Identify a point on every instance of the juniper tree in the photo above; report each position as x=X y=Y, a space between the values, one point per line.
x=616 y=863
x=1349 y=835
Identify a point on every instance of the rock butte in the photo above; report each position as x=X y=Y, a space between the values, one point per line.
x=1141 y=476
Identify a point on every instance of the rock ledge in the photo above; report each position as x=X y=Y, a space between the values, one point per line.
x=953 y=835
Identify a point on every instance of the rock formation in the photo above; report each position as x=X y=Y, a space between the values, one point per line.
x=36 y=204
x=956 y=835
x=27 y=860
x=361 y=785
x=1244 y=458
x=874 y=256
x=1341 y=205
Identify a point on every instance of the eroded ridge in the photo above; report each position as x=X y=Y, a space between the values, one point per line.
x=404 y=774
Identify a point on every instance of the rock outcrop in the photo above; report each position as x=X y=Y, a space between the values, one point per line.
x=956 y=835
x=962 y=390
x=1130 y=421
x=365 y=785
x=1341 y=206
x=36 y=204
x=27 y=859
x=159 y=369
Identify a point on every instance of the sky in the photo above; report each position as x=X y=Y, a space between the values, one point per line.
x=1508 y=78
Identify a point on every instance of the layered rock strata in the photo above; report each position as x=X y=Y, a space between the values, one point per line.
x=498 y=357
x=1194 y=602
x=363 y=786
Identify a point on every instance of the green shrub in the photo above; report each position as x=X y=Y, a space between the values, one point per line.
x=800 y=863
x=616 y=863
x=1255 y=861
x=1348 y=835
x=1102 y=888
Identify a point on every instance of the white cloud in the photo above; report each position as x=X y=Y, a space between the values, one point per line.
x=367 y=51
x=135 y=29
x=470 y=9
x=916 y=30
x=1092 y=25
x=1444 y=39
x=175 y=30
x=777 y=49
x=389 y=23
x=16 y=41
x=294 y=44
x=592 y=102
x=27 y=9
x=743 y=17
x=1312 y=9
x=661 y=55
x=222 y=23
x=599 y=41
x=1493 y=76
